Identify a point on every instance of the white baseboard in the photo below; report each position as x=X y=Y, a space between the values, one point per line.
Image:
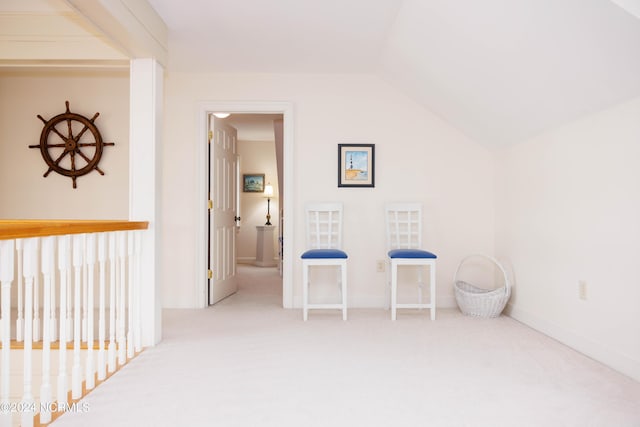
x=447 y=302
x=381 y=302
x=600 y=352
x=252 y=261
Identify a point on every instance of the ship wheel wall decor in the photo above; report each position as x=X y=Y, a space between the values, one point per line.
x=71 y=144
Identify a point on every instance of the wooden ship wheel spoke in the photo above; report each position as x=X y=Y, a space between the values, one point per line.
x=72 y=161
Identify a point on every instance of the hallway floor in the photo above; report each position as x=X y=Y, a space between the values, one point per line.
x=248 y=362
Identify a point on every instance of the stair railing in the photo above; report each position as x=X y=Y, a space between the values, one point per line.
x=53 y=268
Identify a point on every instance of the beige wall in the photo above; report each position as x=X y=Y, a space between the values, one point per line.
x=562 y=207
x=418 y=157
x=25 y=193
x=568 y=209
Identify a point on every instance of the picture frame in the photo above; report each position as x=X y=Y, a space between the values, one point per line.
x=253 y=183
x=356 y=165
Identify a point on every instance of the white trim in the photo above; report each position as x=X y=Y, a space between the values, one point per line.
x=379 y=302
x=598 y=351
x=200 y=208
x=133 y=28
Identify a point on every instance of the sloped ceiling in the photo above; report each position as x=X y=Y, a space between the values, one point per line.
x=289 y=36
x=501 y=71
x=504 y=70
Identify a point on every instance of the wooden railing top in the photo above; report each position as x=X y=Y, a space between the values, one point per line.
x=23 y=228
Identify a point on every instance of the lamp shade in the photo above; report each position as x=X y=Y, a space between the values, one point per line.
x=268 y=190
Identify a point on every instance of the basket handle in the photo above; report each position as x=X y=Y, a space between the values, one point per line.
x=507 y=285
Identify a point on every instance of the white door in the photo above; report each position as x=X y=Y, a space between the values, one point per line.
x=223 y=183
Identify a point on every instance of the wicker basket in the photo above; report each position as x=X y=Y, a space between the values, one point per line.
x=474 y=301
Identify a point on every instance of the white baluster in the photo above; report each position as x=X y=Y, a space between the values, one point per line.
x=64 y=265
x=78 y=259
x=53 y=323
x=112 y=302
x=90 y=263
x=102 y=258
x=36 y=303
x=130 y=283
x=84 y=293
x=7 y=249
x=30 y=270
x=69 y=293
x=48 y=270
x=20 y=319
x=122 y=266
x=136 y=314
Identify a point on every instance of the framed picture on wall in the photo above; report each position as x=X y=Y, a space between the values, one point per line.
x=356 y=165
x=253 y=183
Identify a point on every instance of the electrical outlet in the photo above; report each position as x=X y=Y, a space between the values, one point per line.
x=380 y=266
x=582 y=289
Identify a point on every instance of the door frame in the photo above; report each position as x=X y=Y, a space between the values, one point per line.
x=200 y=210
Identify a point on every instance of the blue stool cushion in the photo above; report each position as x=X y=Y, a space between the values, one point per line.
x=410 y=253
x=324 y=253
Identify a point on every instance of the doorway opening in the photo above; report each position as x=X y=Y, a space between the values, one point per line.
x=242 y=115
x=244 y=186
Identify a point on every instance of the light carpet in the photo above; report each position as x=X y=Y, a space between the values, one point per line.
x=248 y=362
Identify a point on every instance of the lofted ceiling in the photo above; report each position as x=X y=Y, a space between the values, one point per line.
x=501 y=71
x=281 y=36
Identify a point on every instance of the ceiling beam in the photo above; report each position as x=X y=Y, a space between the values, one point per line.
x=133 y=26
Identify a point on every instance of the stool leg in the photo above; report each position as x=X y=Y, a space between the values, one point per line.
x=343 y=270
x=305 y=291
x=388 y=289
x=432 y=286
x=420 y=284
x=394 y=289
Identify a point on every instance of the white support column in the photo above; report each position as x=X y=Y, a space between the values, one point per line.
x=146 y=98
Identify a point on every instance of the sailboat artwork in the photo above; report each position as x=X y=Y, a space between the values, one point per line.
x=356 y=165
